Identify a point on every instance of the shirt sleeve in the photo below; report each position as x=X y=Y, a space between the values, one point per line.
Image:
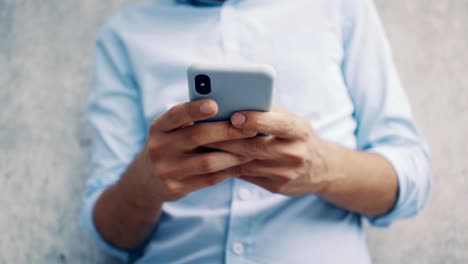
x=114 y=110
x=382 y=110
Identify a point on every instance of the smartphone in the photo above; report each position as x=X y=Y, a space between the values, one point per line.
x=234 y=87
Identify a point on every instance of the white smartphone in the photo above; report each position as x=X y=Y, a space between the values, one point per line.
x=234 y=87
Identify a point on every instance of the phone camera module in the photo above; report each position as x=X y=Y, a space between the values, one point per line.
x=202 y=84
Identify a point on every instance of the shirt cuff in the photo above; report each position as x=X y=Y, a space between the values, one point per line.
x=406 y=205
x=87 y=224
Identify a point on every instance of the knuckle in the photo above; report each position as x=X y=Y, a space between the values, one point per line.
x=274 y=188
x=210 y=181
x=192 y=137
x=257 y=147
x=172 y=114
x=280 y=175
x=230 y=131
x=206 y=165
x=163 y=171
x=296 y=159
x=242 y=159
x=153 y=127
x=233 y=170
x=154 y=149
x=174 y=188
x=243 y=170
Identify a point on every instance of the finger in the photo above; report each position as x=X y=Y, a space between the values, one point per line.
x=263 y=169
x=207 y=133
x=202 y=181
x=182 y=114
x=261 y=148
x=183 y=187
x=294 y=189
x=257 y=148
x=283 y=125
x=206 y=163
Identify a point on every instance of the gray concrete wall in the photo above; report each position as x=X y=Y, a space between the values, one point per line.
x=45 y=58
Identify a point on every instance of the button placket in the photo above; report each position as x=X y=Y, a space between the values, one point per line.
x=238 y=248
x=238 y=234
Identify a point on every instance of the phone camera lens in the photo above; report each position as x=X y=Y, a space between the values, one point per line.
x=202 y=84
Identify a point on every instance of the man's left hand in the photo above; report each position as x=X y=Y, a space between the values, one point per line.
x=292 y=161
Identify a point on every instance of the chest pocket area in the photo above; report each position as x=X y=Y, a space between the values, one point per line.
x=307 y=56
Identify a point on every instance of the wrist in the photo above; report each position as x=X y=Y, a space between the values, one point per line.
x=135 y=191
x=331 y=159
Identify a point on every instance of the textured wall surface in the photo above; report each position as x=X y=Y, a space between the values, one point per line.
x=45 y=58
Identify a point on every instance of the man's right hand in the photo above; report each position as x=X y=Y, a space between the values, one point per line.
x=169 y=167
x=171 y=163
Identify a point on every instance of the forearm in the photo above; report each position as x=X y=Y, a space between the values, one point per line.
x=120 y=218
x=361 y=182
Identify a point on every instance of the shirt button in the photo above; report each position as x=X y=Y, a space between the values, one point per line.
x=238 y=248
x=245 y=194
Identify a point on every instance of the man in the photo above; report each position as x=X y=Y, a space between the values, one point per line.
x=343 y=148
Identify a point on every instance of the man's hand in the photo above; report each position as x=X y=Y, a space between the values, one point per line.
x=172 y=162
x=292 y=161
x=170 y=166
x=295 y=161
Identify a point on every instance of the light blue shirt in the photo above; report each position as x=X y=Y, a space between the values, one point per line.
x=333 y=66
